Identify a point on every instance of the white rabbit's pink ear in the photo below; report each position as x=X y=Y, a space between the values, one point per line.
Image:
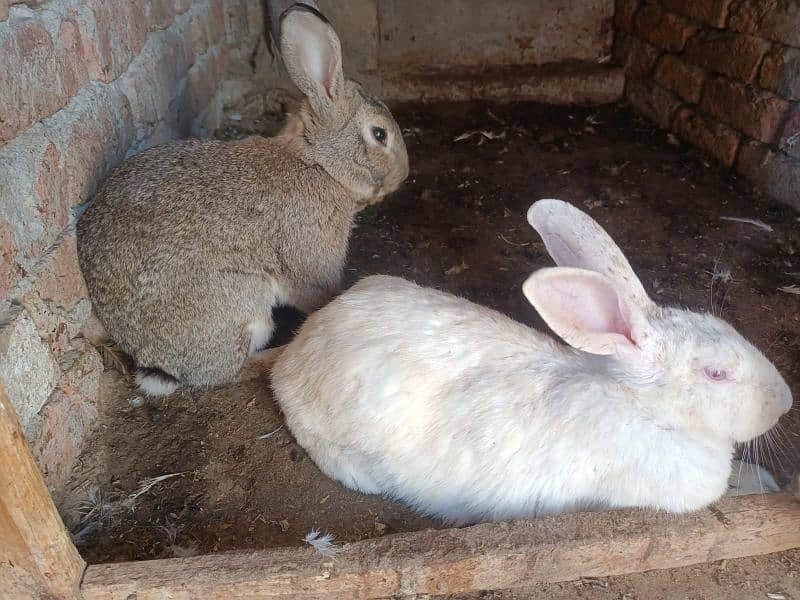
x=313 y=56
x=585 y=310
x=574 y=239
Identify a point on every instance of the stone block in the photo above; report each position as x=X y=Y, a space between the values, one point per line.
x=755 y=112
x=733 y=54
x=653 y=101
x=780 y=72
x=776 y=20
x=27 y=369
x=664 y=29
x=712 y=12
x=625 y=14
x=683 y=78
x=636 y=56
x=774 y=172
x=710 y=136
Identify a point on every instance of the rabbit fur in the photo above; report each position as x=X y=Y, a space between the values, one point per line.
x=189 y=245
x=465 y=414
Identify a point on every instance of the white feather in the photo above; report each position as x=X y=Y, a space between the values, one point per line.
x=322 y=542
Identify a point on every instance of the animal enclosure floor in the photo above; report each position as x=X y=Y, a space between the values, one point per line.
x=239 y=480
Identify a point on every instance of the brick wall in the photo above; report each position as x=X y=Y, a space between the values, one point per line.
x=83 y=84
x=723 y=75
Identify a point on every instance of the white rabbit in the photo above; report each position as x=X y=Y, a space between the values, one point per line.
x=468 y=415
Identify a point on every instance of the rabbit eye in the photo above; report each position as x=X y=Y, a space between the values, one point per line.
x=379 y=133
x=715 y=374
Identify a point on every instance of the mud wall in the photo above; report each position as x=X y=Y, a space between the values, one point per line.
x=723 y=75
x=555 y=51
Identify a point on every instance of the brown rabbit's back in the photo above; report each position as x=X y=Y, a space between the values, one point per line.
x=188 y=242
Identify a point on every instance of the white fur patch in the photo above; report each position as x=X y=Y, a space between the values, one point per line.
x=260 y=333
x=153 y=385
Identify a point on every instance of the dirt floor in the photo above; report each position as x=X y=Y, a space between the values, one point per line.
x=237 y=478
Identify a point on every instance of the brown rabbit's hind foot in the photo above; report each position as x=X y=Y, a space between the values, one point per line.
x=155 y=382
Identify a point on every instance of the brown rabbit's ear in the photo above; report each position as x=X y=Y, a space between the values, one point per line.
x=313 y=56
x=573 y=239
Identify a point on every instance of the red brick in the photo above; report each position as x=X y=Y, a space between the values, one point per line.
x=29 y=78
x=637 y=57
x=181 y=6
x=94 y=132
x=776 y=20
x=30 y=166
x=10 y=271
x=776 y=173
x=58 y=300
x=780 y=72
x=713 y=12
x=624 y=14
x=68 y=416
x=652 y=101
x=216 y=21
x=197 y=30
x=757 y=113
x=255 y=16
x=153 y=88
x=708 y=135
x=203 y=81
x=789 y=138
x=50 y=190
x=664 y=29
x=680 y=77
x=159 y=13
x=732 y=54
x=113 y=34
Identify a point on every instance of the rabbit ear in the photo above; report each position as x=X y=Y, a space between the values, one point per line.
x=586 y=310
x=313 y=56
x=574 y=239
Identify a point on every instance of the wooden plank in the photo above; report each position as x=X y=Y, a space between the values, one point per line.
x=37 y=557
x=488 y=556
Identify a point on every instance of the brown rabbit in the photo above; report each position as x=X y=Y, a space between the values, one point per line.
x=189 y=245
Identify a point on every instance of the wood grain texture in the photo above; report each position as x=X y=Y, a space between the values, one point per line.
x=487 y=556
x=37 y=558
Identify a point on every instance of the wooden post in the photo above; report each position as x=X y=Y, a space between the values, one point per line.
x=37 y=557
x=483 y=557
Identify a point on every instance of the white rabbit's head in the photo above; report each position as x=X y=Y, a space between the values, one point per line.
x=693 y=370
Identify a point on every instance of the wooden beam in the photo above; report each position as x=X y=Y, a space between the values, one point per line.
x=37 y=558
x=482 y=557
